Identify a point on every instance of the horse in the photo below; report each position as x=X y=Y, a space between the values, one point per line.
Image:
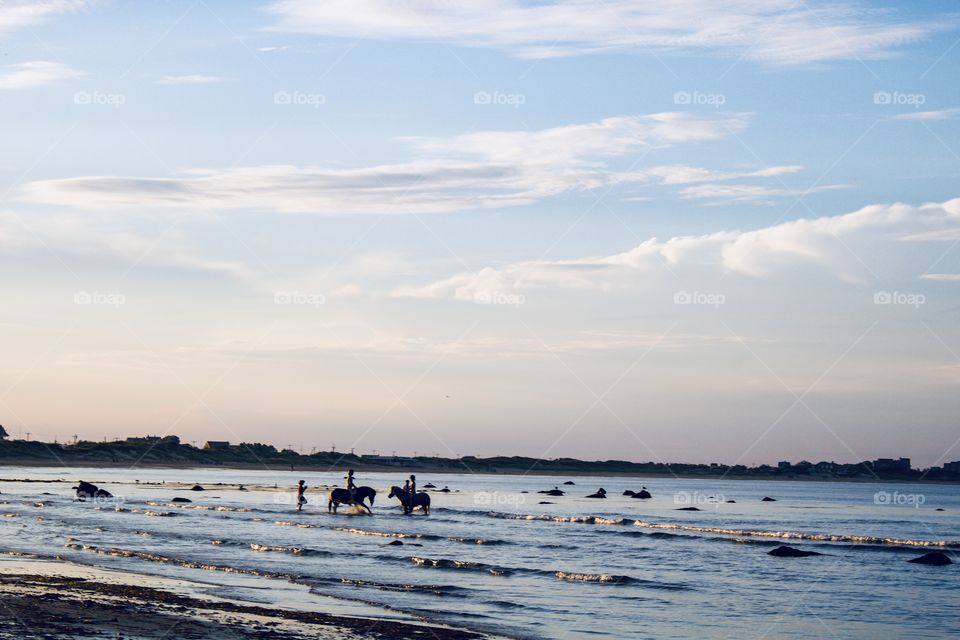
x=341 y=496
x=419 y=500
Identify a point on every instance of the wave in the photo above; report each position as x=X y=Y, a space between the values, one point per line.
x=419 y=536
x=297 y=551
x=443 y=563
x=197 y=507
x=801 y=535
x=435 y=589
x=740 y=533
x=188 y=564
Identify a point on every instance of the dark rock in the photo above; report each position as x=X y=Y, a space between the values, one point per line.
x=768 y=499
x=731 y=502
x=570 y=482
x=429 y=485
x=643 y=494
x=395 y=543
x=627 y=492
x=939 y=508
x=179 y=499
x=688 y=509
x=544 y=502
x=791 y=552
x=197 y=487
x=935 y=559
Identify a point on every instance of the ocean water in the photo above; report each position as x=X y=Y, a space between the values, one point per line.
x=490 y=557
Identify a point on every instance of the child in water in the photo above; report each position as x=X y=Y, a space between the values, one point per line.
x=301 y=499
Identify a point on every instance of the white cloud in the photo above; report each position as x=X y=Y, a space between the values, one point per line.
x=778 y=32
x=477 y=170
x=943 y=114
x=941 y=277
x=196 y=78
x=26 y=75
x=77 y=236
x=837 y=245
x=27 y=13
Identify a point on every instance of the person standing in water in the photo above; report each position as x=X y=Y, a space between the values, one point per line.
x=301 y=499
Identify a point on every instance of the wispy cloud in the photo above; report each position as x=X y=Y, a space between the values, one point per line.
x=196 y=78
x=832 y=244
x=27 y=13
x=477 y=170
x=942 y=114
x=778 y=32
x=26 y=75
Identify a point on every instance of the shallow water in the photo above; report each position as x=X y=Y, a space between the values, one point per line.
x=491 y=558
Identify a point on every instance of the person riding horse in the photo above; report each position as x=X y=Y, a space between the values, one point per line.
x=351 y=485
x=412 y=492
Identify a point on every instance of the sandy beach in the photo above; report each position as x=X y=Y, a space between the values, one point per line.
x=59 y=600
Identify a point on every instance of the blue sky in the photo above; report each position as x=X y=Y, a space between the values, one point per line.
x=652 y=231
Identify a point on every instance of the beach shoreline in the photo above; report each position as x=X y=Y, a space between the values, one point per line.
x=54 y=599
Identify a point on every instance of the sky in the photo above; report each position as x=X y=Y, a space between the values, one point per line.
x=673 y=231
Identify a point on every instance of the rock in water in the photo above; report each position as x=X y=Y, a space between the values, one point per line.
x=178 y=499
x=197 y=487
x=643 y=494
x=936 y=559
x=395 y=543
x=688 y=509
x=768 y=499
x=791 y=552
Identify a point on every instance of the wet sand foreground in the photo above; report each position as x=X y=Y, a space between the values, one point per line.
x=49 y=600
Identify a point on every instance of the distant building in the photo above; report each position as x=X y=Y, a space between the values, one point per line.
x=783 y=464
x=952 y=468
x=143 y=440
x=889 y=465
x=216 y=444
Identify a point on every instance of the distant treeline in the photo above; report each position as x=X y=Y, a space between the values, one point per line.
x=169 y=450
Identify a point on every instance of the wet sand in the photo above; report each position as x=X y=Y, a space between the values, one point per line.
x=49 y=600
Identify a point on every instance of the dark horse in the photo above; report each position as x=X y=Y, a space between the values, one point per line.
x=419 y=500
x=341 y=496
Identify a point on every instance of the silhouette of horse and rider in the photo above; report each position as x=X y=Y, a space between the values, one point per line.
x=353 y=495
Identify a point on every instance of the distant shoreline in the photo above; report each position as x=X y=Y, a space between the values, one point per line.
x=400 y=470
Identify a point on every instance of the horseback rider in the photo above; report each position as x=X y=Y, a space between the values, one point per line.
x=412 y=493
x=351 y=485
